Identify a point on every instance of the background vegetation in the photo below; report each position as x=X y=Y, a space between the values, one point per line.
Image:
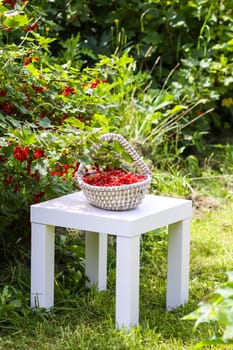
x=157 y=72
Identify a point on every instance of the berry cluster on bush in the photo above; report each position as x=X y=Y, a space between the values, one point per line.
x=40 y=148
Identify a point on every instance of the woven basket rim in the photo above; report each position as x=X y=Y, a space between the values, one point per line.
x=116 y=188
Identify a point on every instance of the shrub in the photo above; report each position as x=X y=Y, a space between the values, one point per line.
x=50 y=114
x=42 y=122
x=217 y=308
x=195 y=37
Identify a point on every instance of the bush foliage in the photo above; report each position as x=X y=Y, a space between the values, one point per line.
x=150 y=70
x=217 y=309
x=196 y=36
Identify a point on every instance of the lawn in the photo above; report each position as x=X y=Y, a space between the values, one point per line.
x=84 y=319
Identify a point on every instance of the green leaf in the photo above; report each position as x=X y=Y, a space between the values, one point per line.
x=228 y=333
x=45 y=42
x=225 y=291
x=230 y=42
x=16 y=303
x=177 y=109
x=101 y=120
x=41 y=165
x=22 y=109
x=228 y=81
x=2 y=8
x=74 y=122
x=14 y=21
x=45 y=123
x=223 y=60
x=24 y=135
x=35 y=72
x=230 y=276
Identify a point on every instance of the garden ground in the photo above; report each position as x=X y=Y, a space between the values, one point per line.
x=85 y=319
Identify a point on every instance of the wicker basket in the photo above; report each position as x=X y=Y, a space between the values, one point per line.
x=122 y=197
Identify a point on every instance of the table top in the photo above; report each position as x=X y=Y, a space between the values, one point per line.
x=74 y=211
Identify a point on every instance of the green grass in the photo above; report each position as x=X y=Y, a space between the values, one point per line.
x=84 y=319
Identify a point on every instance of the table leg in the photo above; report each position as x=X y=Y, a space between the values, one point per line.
x=127 y=281
x=178 y=264
x=96 y=245
x=42 y=266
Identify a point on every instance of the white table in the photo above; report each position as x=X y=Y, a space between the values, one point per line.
x=73 y=211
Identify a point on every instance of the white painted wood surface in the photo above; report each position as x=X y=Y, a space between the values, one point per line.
x=73 y=211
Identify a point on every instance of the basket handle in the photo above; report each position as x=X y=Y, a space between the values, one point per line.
x=131 y=151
